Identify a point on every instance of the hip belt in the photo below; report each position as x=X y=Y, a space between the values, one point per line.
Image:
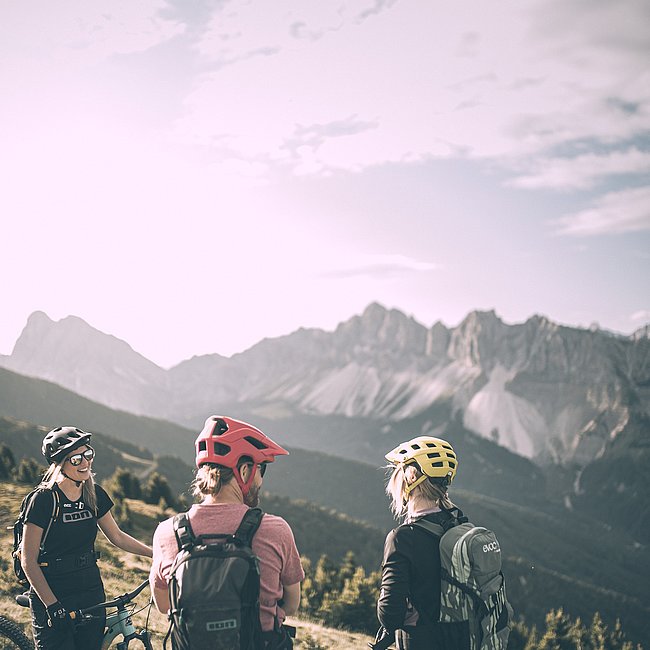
x=69 y=563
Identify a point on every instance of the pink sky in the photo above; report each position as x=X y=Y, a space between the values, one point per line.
x=193 y=177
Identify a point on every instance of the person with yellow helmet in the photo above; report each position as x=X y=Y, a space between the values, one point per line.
x=423 y=469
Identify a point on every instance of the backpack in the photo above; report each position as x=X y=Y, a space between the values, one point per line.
x=473 y=587
x=214 y=588
x=19 y=526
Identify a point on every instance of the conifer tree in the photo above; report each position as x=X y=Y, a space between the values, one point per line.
x=125 y=484
x=28 y=472
x=157 y=489
x=323 y=579
x=7 y=461
x=562 y=633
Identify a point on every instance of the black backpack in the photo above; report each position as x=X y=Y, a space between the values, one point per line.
x=19 y=526
x=214 y=588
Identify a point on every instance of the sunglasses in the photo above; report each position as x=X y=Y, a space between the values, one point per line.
x=75 y=460
x=261 y=467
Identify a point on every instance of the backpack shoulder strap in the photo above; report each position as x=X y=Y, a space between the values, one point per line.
x=434 y=529
x=185 y=537
x=53 y=516
x=249 y=525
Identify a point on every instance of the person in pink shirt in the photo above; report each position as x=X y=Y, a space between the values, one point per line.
x=231 y=459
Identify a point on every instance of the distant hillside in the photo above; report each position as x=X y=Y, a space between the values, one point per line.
x=484 y=467
x=43 y=403
x=25 y=442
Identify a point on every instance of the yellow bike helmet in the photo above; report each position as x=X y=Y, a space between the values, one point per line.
x=434 y=457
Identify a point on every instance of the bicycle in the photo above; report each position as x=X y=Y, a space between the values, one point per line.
x=118 y=622
x=12 y=637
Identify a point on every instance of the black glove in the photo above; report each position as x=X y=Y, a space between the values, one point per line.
x=383 y=639
x=58 y=615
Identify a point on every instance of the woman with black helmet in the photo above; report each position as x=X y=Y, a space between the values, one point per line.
x=409 y=601
x=61 y=565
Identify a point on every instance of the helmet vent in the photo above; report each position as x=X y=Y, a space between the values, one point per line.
x=258 y=444
x=220 y=427
x=438 y=464
x=416 y=446
x=221 y=449
x=434 y=454
x=203 y=446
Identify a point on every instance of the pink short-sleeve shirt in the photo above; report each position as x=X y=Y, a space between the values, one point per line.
x=273 y=544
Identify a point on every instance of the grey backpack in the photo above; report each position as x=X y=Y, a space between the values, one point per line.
x=473 y=586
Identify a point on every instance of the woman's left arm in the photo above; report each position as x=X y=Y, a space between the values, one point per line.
x=119 y=538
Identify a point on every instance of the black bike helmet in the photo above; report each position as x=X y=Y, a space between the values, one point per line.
x=59 y=442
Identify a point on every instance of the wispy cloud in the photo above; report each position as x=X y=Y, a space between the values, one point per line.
x=641 y=316
x=511 y=88
x=383 y=266
x=82 y=33
x=584 y=171
x=614 y=213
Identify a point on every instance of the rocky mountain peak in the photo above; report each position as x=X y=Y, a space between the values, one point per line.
x=83 y=359
x=387 y=329
x=474 y=341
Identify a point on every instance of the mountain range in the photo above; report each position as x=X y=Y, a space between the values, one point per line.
x=542 y=390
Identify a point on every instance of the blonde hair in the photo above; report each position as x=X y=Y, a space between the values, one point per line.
x=88 y=493
x=210 y=479
x=400 y=477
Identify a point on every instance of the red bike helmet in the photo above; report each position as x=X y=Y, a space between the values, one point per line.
x=225 y=442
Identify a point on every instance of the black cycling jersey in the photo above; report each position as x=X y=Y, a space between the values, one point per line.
x=75 y=528
x=411 y=583
x=72 y=534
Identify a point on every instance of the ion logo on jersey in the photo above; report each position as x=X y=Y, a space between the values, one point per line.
x=70 y=517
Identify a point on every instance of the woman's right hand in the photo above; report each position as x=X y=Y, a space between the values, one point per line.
x=58 y=616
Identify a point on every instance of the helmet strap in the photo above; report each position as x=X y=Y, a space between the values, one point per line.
x=409 y=487
x=245 y=487
x=74 y=480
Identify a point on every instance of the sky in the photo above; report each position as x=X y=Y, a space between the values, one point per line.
x=193 y=177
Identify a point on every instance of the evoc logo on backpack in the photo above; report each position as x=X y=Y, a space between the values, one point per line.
x=492 y=546
x=214 y=588
x=473 y=587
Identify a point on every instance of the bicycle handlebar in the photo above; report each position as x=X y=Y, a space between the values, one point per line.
x=122 y=600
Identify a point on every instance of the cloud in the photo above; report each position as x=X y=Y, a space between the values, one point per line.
x=584 y=171
x=436 y=80
x=383 y=266
x=82 y=32
x=641 y=316
x=614 y=213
